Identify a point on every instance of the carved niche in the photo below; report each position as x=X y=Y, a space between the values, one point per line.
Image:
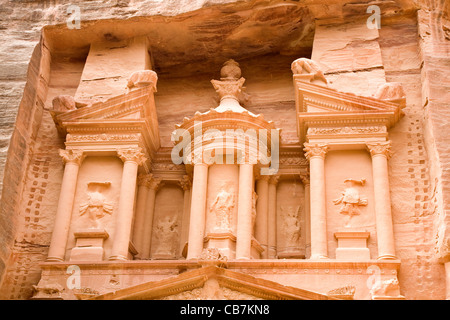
x=166 y=232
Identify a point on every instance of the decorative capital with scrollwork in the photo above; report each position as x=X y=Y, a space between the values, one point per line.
x=72 y=156
x=380 y=148
x=315 y=150
x=274 y=179
x=132 y=154
x=144 y=179
x=185 y=183
x=305 y=178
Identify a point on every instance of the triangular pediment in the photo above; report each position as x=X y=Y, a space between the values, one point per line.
x=321 y=106
x=212 y=283
x=134 y=105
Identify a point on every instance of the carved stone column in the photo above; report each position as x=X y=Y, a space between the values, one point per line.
x=380 y=153
x=315 y=153
x=142 y=194
x=262 y=210
x=198 y=211
x=306 y=185
x=244 y=219
x=132 y=158
x=272 y=218
x=153 y=185
x=186 y=185
x=72 y=159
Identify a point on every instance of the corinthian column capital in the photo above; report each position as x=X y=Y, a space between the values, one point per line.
x=380 y=148
x=132 y=154
x=185 y=183
x=72 y=156
x=315 y=150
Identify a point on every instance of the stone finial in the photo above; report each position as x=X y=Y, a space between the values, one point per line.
x=230 y=71
x=64 y=103
x=143 y=78
x=308 y=70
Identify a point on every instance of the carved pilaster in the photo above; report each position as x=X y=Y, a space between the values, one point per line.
x=380 y=148
x=132 y=154
x=72 y=156
x=315 y=150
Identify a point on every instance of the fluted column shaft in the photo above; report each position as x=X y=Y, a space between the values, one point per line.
x=198 y=211
x=272 y=218
x=153 y=185
x=306 y=185
x=316 y=156
x=186 y=185
x=262 y=210
x=73 y=159
x=132 y=159
x=380 y=153
x=142 y=194
x=244 y=219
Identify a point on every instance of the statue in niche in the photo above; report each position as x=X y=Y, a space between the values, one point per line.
x=222 y=207
x=96 y=206
x=291 y=225
x=351 y=200
x=166 y=232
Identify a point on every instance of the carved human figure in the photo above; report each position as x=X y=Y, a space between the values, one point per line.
x=351 y=199
x=96 y=206
x=222 y=207
x=291 y=225
x=166 y=232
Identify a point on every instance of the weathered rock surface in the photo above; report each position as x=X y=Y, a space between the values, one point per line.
x=412 y=48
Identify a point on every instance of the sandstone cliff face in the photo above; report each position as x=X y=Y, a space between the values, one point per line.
x=412 y=48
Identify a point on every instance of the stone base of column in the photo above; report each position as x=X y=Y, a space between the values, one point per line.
x=256 y=250
x=132 y=252
x=224 y=242
x=352 y=245
x=387 y=257
x=291 y=253
x=89 y=245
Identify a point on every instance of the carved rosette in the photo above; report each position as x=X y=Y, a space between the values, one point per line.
x=132 y=154
x=380 y=149
x=72 y=156
x=315 y=150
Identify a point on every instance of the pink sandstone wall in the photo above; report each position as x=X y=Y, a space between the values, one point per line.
x=412 y=44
